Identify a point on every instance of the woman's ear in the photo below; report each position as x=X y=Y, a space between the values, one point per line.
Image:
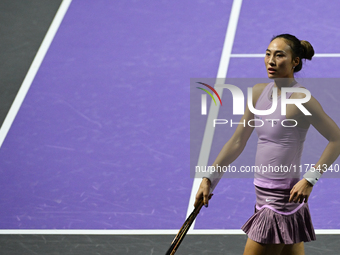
x=296 y=62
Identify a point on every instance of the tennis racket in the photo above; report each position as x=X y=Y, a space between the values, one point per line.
x=184 y=229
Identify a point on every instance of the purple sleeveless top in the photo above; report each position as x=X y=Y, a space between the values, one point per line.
x=279 y=148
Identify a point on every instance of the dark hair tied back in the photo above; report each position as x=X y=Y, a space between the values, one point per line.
x=302 y=49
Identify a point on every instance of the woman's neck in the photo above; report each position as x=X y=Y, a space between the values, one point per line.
x=285 y=82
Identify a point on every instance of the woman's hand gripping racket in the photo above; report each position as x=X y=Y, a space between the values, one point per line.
x=186 y=226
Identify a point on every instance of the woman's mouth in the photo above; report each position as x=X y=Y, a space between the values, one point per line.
x=271 y=70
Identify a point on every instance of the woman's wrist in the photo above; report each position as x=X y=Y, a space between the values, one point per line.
x=312 y=176
x=207 y=179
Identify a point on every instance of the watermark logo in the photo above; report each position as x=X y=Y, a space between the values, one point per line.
x=208 y=133
x=204 y=97
x=238 y=99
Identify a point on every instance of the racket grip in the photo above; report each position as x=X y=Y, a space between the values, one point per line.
x=184 y=229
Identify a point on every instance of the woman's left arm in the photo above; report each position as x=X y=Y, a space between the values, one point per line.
x=329 y=129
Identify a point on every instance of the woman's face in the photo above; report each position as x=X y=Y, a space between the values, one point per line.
x=279 y=60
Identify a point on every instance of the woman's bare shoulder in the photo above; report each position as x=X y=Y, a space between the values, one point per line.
x=258 y=88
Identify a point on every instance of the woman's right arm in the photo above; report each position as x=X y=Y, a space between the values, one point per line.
x=231 y=150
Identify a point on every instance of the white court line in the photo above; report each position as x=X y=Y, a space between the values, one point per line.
x=247 y=55
x=33 y=69
x=138 y=232
x=213 y=111
x=116 y=232
x=261 y=55
x=327 y=55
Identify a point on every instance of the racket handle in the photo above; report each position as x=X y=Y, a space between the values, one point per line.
x=180 y=236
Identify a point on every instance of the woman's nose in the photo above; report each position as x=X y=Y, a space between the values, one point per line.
x=271 y=61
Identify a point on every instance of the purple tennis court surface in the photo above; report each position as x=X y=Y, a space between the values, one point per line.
x=102 y=139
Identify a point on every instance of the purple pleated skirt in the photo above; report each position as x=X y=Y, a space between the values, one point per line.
x=277 y=221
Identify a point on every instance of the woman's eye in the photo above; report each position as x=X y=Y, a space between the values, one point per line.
x=267 y=54
x=279 y=55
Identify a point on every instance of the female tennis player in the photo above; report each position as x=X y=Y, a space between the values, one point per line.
x=281 y=222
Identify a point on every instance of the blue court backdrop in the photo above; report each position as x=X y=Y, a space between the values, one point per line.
x=102 y=139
